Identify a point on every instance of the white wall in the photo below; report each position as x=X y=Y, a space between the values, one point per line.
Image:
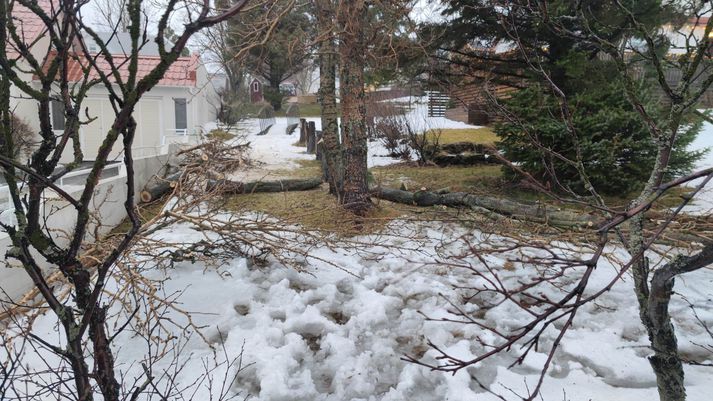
x=108 y=203
x=153 y=137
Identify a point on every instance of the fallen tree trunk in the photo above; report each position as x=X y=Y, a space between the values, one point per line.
x=535 y=213
x=463 y=159
x=237 y=187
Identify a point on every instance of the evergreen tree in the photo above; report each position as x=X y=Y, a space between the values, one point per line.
x=473 y=28
x=612 y=138
x=285 y=54
x=613 y=141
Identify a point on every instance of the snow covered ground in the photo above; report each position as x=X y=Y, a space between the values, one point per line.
x=331 y=334
x=703 y=203
x=276 y=152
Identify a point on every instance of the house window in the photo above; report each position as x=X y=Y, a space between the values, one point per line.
x=181 y=117
x=58 y=119
x=256 y=86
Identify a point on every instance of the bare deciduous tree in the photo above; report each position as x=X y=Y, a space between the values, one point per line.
x=635 y=53
x=83 y=360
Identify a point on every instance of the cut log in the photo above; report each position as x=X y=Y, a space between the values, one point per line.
x=237 y=187
x=463 y=159
x=290 y=129
x=534 y=213
x=303 y=133
x=311 y=138
x=265 y=131
x=159 y=187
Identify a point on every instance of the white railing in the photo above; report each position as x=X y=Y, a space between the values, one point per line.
x=182 y=136
x=78 y=177
x=75 y=178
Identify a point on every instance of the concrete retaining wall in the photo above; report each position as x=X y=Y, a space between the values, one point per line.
x=108 y=203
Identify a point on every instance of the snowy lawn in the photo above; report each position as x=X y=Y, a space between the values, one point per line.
x=276 y=152
x=330 y=335
x=340 y=333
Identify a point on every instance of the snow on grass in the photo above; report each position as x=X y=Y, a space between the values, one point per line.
x=277 y=151
x=330 y=335
x=703 y=203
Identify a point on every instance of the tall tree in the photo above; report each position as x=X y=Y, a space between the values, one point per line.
x=82 y=357
x=286 y=53
x=324 y=11
x=352 y=20
x=357 y=39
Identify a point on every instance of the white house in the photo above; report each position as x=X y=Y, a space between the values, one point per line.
x=175 y=110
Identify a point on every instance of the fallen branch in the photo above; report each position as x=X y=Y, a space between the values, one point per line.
x=534 y=213
x=237 y=187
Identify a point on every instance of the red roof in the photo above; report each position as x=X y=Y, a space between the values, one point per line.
x=701 y=21
x=29 y=26
x=181 y=73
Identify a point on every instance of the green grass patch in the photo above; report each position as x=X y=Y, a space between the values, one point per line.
x=483 y=135
x=306 y=110
x=146 y=213
x=305 y=169
x=456 y=178
x=220 y=134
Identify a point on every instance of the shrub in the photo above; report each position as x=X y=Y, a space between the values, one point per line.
x=426 y=145
x=390 y=132
x=613 y=141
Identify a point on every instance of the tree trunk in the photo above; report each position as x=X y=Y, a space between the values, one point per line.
x=653 y=305
x=665 y=362
x=352 y=20
x=159 y=188
x=331 y=141
x=303 y=133
x=311 y=138
x=236 y=187
x=492 y=206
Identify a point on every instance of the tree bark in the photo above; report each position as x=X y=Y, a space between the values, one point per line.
x=331 y=141
x=665 y=361
x=237 y=187
x=311 y=138
x=352 y=20
x=499 y=206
